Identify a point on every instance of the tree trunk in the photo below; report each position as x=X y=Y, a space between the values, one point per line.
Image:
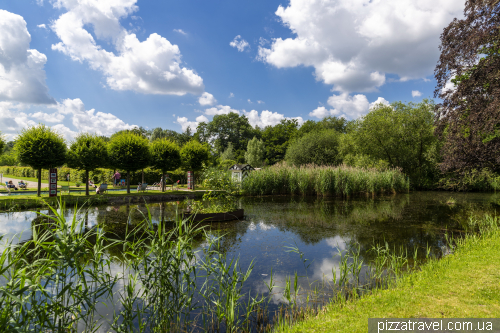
x=128 y=183
x=163 y=180
x=86 y=182
x=40 y=182
x=142 y=176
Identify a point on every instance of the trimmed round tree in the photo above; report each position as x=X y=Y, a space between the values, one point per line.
x=165 y=155
x=40 y=148
x=130 y=152
x=88 y=152
x=194 y=155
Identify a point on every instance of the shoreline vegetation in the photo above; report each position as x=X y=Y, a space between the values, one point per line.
x=464 y=284
x=324 y=181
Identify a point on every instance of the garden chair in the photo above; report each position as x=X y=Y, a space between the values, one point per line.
x=103 y=188
x=64 y=188
x=6 y=187
x=142 y=187
x=23 y=186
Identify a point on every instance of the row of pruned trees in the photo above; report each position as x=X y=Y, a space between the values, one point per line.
x=42 y=148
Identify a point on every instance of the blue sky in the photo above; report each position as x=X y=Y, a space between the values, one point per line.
x=102 y=66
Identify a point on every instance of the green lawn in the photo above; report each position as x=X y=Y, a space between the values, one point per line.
x=463 y=285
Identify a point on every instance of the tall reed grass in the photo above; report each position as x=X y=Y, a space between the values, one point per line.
x=323 y=181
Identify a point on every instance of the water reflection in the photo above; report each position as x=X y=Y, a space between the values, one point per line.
x=320 y=227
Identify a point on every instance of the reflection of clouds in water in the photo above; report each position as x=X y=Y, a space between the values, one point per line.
x=337 y=242
x=260 y=225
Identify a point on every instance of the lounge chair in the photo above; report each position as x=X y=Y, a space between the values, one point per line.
x=23 y=186
x=6 y=187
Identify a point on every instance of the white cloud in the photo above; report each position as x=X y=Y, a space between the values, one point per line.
x=416 y=93
x=42 y=26
x=207 y=99
x=239 y=43
x=47 y=117
x=267 y=118
x=350 y=107
x=220 y=109
x=182 y=32
x=260 y=102
x=183 y=121
x=39 y=2
x=352 y=45
x=231 y=95
x=22 y=74
x=152 y=66
x=249 y=101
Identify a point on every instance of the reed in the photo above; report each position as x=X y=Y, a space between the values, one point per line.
x=282 y=179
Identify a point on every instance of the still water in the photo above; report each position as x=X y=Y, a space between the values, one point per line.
x=320 y=228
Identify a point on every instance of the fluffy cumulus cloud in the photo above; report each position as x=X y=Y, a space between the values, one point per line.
x=350 y=107
x=152 y=66
x=239 y=43
x=267 y=118
x=352 y=45
x=22 y=74
x=207 y=99
x=220 y=109
x=185 y=123
x=416 y=93
x=68 y=118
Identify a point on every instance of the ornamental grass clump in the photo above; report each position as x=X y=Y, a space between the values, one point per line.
x=282 y=179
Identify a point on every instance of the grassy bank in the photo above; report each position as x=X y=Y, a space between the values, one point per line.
x=325 y=181
x=465 y=284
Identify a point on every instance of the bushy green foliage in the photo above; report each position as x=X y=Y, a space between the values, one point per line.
x=41 y=148
x=320 y=148
x=228 y=153
x=256 y=152
x=402 y=135
x=2 y=144
x=130 y=152
x=165 y=156
x=88 y=152
x=194 y=155
x=277 y=138
x=325 y=180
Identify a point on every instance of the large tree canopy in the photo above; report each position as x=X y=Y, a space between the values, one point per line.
x=468 y=82
x=225 y=129
x=320 y=148
x=165 y=156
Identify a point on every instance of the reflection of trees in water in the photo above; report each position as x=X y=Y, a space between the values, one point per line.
x=407 y=221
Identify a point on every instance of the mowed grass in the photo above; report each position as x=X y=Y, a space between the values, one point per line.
x=465 y=284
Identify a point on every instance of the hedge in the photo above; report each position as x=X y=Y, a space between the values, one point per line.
x=98 y=176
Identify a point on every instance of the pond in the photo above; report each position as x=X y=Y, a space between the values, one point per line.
x=319 y=229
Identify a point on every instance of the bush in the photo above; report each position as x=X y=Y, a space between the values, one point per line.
x=320 y=148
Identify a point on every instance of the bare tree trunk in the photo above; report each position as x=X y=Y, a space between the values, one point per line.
x=40 y=182
x=163 y=180
x=86 y=182
x=128 y=183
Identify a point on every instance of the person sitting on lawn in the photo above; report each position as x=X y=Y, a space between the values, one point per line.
x=92 y=184
x=11 y=185
x=22 y=184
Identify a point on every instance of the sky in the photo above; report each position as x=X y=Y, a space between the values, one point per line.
x=102 y=66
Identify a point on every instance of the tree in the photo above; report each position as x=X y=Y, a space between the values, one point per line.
x=320 y=148
x=401 y=134
x=228 y=154
x=338 y=124
x=41 y=148
x=276 y=139
x=256 y=152
x=224 y=129
x=88 y=152
x=194 y=155
x=130 y=152
x=165 y=156
x=468 y=117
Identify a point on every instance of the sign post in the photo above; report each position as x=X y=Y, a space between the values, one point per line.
x=53 y=182
x=190 y=180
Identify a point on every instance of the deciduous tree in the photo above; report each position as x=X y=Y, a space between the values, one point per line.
x=320 y=148
x=468 y=82
x=41 y=148
x=88 y=152
x=130 y=152
x=194 y=155
x=256 y=152
x=165 y=156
